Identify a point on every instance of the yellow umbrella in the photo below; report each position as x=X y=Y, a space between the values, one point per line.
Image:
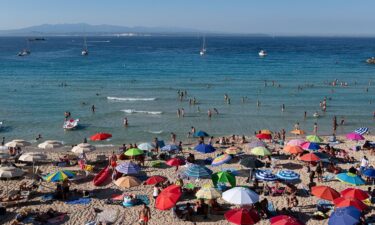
x=298 y=132
x=208 y=192
x=260 y=151
x=265 y=131
x=233 y=150
x=127 y=182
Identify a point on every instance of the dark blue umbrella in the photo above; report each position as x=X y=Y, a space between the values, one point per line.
x=128 y=168
x=200 y=134
x=345 y=216
x=265 y=175
x=204 y=148
x=369 y=173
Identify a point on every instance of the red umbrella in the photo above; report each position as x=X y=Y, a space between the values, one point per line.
x=100 y=136
x=264 y=136
x=168 y=197
x=310 y=157
x=344 y=202
x=293 y=149
x=242 y=216
x=175 y=162
x=325 y=192
x=155 y=179
x=354 y=193
x=284 y=220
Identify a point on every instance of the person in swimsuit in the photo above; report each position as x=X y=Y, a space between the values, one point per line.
x=144 y=215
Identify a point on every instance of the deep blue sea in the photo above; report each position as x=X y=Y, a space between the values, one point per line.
x=142 y=75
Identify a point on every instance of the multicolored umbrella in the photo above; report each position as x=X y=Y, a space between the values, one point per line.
x=310 y=157
x=265 y=175
x=297 y=132
x=196 y=171
x=220 y=160
x=293 y=149
x=314 y=138
x=310 y=146
x=354 y=136
x=264 y=136
x=204 y=148
x=223 y=177
x=345 y=216
x=155 y=180
x=200 y=134
x=175 y=162
x=128 y=168
x=208 y=192
x=251 y=162
x=287 y=175
x=255 y=144
x=60 y=175
x=133 y=152
x=344 y=202
x=325 y=192
x=242 y=216
x=284 y=220
x=168 y=148
x=233 y=150
x=100 y=136
x=168 y=197
x=260 y=151
x=355 y=193
x=296 y=142
x=369 y=173
x=350 y=178
x=240 y=196
x=127 y=182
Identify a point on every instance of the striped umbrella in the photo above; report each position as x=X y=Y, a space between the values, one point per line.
x=196 y=171
x=59 y=176
x=361 y=130
x=128 y=168
x=287 y=175
x=265 y=175
x=168 y=148
x=220 y=160
x=233 y=150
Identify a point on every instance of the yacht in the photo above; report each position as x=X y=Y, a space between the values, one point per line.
x=262 y=53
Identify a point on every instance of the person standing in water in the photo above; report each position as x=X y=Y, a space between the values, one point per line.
x=315 y=129
x=178 y=113
x=173 y=138
x=182 y=112
x=282 y=108
x=126 y=122
x=258 y=103
x=93 y=108
x=334 y=124
x=209 y=113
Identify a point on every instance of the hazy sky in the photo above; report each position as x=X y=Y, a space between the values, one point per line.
x=353 y=17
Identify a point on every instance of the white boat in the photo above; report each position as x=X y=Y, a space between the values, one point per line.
x=316 y=115
x=85 y=51
x=26 y=50
x=203 y=49
x=1 y=124
x=371 y=60
x=262 y=53
x=71 y=124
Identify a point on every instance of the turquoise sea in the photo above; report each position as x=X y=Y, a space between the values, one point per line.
x=138 y=78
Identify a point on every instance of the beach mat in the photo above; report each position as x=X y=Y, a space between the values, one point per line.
x=80 y=201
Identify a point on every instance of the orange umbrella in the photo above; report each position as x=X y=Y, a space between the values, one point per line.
x=325 y=192
x=100 y=136
x=310 y=157
x=297 y=132
x=168 y=197
x=266 y=132
x=354 y=193
x=344 y=202
x=293 y=149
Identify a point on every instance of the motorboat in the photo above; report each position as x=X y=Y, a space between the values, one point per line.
x=24 y=52
x=371 y=60
x=262 y=53
x=71 y=124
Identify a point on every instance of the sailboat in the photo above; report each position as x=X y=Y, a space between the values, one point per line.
x=25 y=51
x=203 y=49
x=262 y=53
x=85 y=51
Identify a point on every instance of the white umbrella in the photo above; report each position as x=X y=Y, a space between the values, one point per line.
x=18 y=143
x=50 y=144
x=32 y=157
x=240 y=196
x=146 y=146
x=83 y=148
x=10 y=172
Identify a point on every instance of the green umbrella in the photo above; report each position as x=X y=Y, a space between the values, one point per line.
x=260 y=151
x=223 y=177
x=133 y=152
x=314 y=138
x=157 y=163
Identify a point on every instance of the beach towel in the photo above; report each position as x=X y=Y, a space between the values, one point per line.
x=80 y=201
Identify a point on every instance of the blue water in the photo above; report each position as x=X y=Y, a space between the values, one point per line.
x=157 y=67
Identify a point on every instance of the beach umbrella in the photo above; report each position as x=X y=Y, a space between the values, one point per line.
x=296 y=142
x=10 y=172
x=354 y=136
x=287 y=175
x=128 y=168
x=284 y=220
x=350 y=178
x=240 y=196
x=32 y=157
x=50 y=144
x=224 y=158
x=264 y=136
x=369 y=173
x=204 y=148
x=168 y=197
x=361 y=130
x=169 y=148
x=314 y=138
x=60 y=175
x=242 y=216
x=133 y=152
x=83 y=148
x=255 y=144
x=208 y=192
x=196 y=171
x=310 y=146
x=265 y=131
x=100 y=136
x=4 y=155
x=310 y=157
x=175 y=162
x=223 y=177
x=345 y=202
x=18 y=143
x=265 y=175
x=260 y=151
x=233 y=150
x=297 y=132
x=127 y=182
x=200 y=134
x=293 y=149
x=251 y=162
x=325 y=192
x=157 y=163
x=355 y=193
x=155 y=180
x=345 y=216
x=146 y=146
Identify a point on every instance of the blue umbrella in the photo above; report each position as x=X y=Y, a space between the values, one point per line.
x=200 y=134
x=369 y=173
x=128 y=168
x=169 y=148
x=350 y=178
x=345 y=216
x=204 y=148
x=288 y=175
x=196 y=171
x=361 y=130
x=161 y=143
x=265 y=175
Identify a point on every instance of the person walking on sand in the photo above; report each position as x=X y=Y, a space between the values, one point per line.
x=144 y=214
x=315 y=129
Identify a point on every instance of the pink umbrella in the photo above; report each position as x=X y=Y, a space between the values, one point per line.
x=296 y=142
x=354 y=136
